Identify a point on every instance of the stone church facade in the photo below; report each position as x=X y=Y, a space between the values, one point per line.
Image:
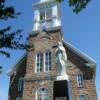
x=34 y=75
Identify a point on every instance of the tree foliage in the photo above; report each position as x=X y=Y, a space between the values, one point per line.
x=77 y=5
x=8 y=39
x=12 y=40
x=0 y=69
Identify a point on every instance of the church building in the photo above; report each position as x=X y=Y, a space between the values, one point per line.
x=52 y=68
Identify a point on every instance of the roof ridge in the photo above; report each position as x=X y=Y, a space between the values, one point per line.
x=80 y=53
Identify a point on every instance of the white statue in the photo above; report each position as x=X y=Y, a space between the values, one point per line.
x=61 y=59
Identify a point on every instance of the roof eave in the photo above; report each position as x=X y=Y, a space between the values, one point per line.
x=14 y=67
x=42 y=4
x=91 y=62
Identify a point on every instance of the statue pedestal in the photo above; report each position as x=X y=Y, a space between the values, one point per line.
x=63 y=77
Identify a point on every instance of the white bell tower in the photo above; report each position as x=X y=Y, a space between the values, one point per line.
x=46 y=16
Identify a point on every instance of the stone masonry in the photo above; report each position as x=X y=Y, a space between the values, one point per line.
x=33 y=81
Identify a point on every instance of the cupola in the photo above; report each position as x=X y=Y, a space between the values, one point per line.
x=46 y=16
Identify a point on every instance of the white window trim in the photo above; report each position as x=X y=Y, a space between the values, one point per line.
x=81 y=95
x=81 y=80
x=36 y=62
x=45 y=12
x=45 y=60
x=36 y=95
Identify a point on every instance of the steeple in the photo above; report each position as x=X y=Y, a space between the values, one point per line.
x=46 y=16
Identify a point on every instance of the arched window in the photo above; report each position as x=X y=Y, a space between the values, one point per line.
x=39 y=62
x=80 y=79
x=82 y=97
x=42 y=94
x=47 y=61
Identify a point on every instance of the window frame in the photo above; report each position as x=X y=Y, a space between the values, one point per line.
x=40 y=62
x=78 y=98
x=42 y=95
x=45 y=11
x=42 y=18
x=47 y=59
x=20 y=84
x=80 y=79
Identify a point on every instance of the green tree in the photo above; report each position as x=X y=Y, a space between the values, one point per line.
x=0 y=69
x=8 y=39
x=13 y=40
x=77 y=5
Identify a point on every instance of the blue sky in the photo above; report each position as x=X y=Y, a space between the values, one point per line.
x=82 y=31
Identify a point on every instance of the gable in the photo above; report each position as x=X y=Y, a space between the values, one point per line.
x=79 y=58
x=18 y=65
x=74 y=55
x=73 y=51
